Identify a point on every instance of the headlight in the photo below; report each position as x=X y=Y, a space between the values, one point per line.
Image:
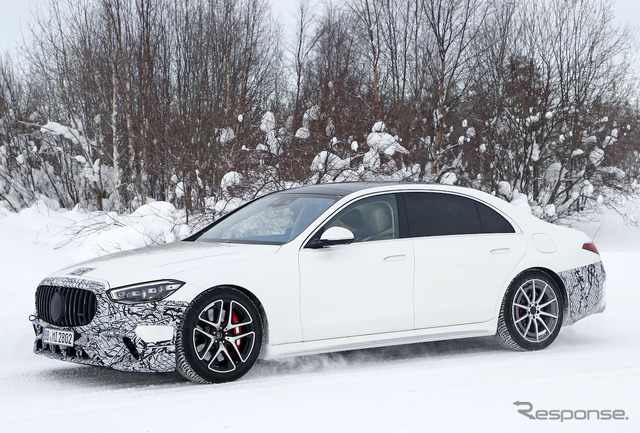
x=146 y=292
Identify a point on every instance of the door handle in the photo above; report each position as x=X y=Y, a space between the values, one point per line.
x=500 y=251
x=396 y=258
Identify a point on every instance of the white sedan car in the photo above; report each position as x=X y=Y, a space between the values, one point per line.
x=319 y=269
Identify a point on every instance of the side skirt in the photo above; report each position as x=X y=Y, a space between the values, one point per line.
x=380 y=340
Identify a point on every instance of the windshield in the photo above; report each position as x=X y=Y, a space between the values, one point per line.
x=273 y=219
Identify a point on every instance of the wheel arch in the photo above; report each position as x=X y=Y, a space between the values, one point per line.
x=556 y=279
x=258 y=304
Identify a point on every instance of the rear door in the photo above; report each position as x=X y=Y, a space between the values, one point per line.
x=464 y=252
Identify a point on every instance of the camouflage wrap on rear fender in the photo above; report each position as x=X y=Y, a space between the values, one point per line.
x=110 y=339
x=585 y=290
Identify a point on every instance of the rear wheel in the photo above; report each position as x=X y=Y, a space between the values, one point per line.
x=531 y=313
x=221 y=337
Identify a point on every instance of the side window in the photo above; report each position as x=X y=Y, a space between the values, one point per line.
x=370 y=219
x=438 y=214
x=492 y=221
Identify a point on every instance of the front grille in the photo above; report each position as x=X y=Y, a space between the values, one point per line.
x=65 y=306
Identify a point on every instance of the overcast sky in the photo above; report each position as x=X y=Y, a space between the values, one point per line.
x=15 y=16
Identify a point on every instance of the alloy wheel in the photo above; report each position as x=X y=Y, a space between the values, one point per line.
x=535 y=310
x=224 y=335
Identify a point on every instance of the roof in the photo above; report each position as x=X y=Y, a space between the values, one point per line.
x=339 y=188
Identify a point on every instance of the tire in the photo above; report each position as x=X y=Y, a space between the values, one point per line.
x=531 y=313
x=220 y=338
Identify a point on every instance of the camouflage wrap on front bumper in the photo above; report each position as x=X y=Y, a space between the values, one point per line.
x=585 y=290
x=110 y=339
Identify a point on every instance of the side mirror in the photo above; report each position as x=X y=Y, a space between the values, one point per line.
x=332 y=236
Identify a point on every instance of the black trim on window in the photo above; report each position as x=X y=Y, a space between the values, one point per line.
x=403 y=219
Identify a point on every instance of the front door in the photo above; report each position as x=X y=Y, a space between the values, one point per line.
x=362 y=288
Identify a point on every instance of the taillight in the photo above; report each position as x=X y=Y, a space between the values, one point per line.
x=590 y=246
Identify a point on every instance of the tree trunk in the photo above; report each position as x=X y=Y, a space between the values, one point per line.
x=114 y=135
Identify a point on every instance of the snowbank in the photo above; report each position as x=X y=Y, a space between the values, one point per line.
x=91 y=234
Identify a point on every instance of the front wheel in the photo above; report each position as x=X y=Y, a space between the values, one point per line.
x=220 y=338
x=531 y=313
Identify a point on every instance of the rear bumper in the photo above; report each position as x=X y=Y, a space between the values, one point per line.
x=137 y=337
x=585 y=289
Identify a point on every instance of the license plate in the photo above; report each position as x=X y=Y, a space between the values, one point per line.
x=57 y=336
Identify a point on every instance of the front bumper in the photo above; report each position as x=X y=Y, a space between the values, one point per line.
x=115 y=336
x=585 y=291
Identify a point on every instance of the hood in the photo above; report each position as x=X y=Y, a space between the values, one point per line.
x=163 y=261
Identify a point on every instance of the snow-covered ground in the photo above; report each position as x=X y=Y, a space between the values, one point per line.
x=465 y=385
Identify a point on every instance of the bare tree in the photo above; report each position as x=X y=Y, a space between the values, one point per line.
x=120 y=100
x=368 y=15
x=454 y=24
x=303 y=44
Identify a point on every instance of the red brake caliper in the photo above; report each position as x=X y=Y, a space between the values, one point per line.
x=238 y=330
